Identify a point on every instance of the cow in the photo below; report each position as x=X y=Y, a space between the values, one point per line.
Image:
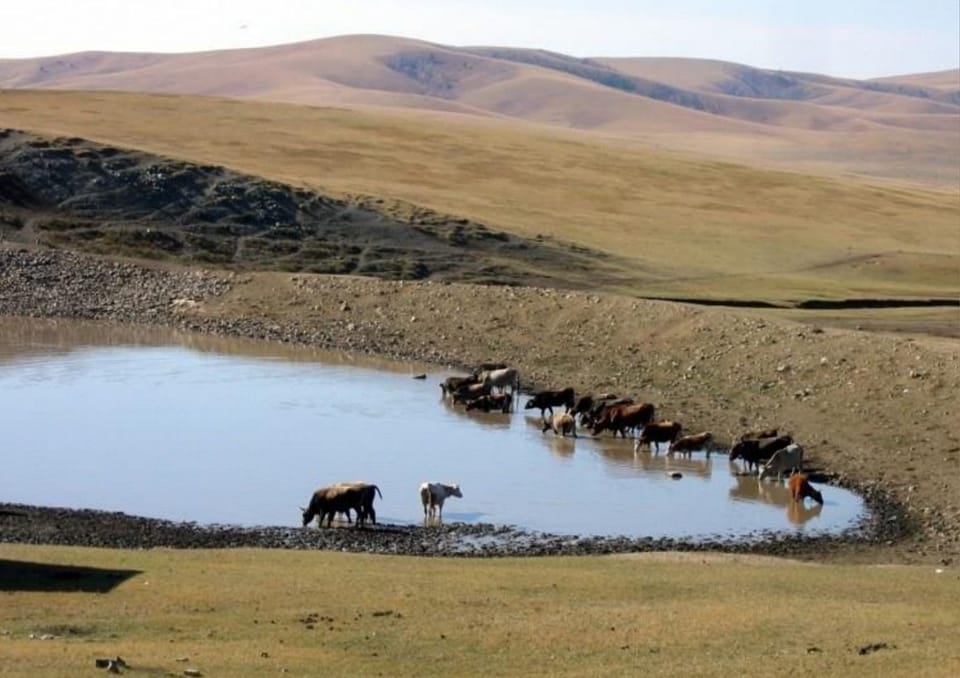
x=598 y=407
x=495 y=401
x=369 y=492
x=691 y=443
x=470 y=392
x=501 y=378
x=328 y=501
x=661 y=432
x=547 y=400
x=487 y=367
x=432 y=496
x=756 y=435
x=800 y=488
x=451 y=385
x=562 y=424
x=582 y=405
x=789 y=458
x=619 y=418
x=756 y=451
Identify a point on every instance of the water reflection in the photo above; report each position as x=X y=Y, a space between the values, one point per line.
x=156 y=423
x=750 y=488
x=621 y=453
x=497 y=420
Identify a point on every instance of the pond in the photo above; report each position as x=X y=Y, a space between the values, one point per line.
x=191 y=428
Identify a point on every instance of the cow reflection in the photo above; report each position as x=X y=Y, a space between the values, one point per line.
x=748 y=488
x=561 y=448
x=621 y=454
x=491 y=419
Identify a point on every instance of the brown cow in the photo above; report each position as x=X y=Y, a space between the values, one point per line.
x=369 y=491
x=328 y=501
x=662 y=432
x=800 y=488
x=756 y=435
x=619 y=418
x=691 y=443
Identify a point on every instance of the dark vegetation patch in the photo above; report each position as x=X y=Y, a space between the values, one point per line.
x=741 y=81
x=74 y=194
x=602 y=74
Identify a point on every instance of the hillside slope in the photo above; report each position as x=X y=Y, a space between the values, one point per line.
x=665 y=224
x=808 y=121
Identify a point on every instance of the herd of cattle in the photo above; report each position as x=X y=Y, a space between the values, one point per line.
x=358 y=496
x=767 y=453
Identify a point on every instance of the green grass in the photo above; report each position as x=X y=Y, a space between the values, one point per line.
x=246 y=613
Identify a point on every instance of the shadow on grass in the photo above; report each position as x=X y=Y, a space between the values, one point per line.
x=18 y=575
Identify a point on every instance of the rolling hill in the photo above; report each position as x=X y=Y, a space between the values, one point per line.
x=623 y=217
x=904 y=128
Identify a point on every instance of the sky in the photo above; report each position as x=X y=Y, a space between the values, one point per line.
x=845 y=38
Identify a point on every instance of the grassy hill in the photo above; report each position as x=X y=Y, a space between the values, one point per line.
x=677 y=225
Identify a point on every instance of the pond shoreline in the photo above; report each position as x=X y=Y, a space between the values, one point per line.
x=27 y=524
x=707 y=368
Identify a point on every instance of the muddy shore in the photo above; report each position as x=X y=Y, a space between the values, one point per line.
x=876 y=413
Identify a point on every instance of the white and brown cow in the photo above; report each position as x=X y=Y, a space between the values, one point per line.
x=432 y=496
x=789 y=458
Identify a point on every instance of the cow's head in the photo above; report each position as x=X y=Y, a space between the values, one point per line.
x=530 y=404
x=814 y=494
x=455 y=491
x=307 y=516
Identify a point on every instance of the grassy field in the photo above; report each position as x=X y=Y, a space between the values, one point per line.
x=685 y=226
x=251 y=612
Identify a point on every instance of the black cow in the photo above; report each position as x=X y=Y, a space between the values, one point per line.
x=755 y=451
x=547 y=400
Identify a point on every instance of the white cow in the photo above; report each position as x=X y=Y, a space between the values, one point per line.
x=789 y=458
x=432 y=495
x=508 y=376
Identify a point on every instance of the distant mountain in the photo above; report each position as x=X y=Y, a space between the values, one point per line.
x=690 y=104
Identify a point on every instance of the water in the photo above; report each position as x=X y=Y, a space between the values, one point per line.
x=176 y=426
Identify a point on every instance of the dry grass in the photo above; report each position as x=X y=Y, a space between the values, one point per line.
x=683 y=225
x=246 y=612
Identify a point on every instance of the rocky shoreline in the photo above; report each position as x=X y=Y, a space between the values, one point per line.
x=711 y=367
x=105 y=529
